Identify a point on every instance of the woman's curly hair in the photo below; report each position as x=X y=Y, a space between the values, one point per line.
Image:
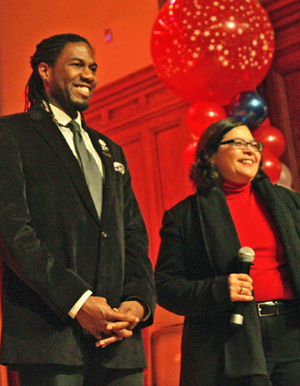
x=204 y=173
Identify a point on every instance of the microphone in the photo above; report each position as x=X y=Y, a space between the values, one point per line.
x=245 y=256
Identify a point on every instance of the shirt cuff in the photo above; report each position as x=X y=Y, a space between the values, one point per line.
x=73 y=311
x=145 y=305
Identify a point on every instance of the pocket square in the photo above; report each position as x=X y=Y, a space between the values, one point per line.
x=119 y=167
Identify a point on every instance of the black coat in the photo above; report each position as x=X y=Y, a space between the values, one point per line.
x=55 y=247
x=198 y=251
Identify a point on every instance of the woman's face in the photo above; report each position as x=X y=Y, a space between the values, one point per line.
x=237 y=165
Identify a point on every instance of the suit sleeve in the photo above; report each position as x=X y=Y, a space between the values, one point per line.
x=22 y=251
x=139 y=280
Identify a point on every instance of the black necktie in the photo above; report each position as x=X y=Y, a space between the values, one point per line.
x=89 y=166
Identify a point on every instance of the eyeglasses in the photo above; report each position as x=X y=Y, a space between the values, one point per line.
x=242 y=144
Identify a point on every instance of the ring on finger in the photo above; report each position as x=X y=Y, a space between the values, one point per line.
x=241 y=291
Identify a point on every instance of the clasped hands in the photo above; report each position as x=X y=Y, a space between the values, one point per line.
x=109 y=325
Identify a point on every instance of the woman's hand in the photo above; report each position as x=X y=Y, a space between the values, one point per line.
x=240 y=287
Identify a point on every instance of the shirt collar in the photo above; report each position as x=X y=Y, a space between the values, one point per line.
x=62 y=118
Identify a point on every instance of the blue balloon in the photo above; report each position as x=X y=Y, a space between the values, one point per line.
x=249 y=107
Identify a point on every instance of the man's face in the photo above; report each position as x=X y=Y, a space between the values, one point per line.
x=70 y=83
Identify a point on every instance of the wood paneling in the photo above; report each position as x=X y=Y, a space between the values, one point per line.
x=282 y=84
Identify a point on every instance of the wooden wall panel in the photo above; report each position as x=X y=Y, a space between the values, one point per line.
x=282 y=84
x=170 y=144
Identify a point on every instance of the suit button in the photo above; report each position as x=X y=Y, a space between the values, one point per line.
x=104 y=235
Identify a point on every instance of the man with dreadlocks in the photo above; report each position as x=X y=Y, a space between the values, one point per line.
x=78 y=281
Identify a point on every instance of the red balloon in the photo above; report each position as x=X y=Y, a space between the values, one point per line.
x=212 y=50
x=189 y=153
x=271 y=165
x=266 y=123
x=272 y=138
x=203 y=114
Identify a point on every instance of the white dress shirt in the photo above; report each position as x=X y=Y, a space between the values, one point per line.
x=63 y=119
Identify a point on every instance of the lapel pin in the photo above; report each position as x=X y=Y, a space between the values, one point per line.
x=104 y=148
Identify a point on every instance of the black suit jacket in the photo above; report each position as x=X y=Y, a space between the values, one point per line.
x=198 y=251
x=55 y=247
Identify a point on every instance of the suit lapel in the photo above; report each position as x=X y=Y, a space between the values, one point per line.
x=222 y=244
x=278 y=211
x=46 y=127
x=219 y=232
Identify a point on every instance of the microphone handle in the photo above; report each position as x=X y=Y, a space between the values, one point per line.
x=245 y=267
x=237 y=318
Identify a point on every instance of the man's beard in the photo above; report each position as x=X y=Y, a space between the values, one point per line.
x=80 y=106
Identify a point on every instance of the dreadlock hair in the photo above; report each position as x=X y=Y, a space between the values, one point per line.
x=47 y=51
x=204 y=173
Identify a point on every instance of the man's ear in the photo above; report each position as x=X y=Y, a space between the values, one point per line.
x=44 y=71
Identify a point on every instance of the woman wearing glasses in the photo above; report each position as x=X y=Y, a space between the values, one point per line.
x=198 y=274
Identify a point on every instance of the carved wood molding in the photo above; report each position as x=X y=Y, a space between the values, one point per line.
x=285 y=18
x=129 y=101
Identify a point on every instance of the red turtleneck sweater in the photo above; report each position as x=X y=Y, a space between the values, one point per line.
x=256 y=230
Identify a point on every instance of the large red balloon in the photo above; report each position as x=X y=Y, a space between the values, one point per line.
x=272 y=138
x=212 y=50
x=271 y=165
x=203 y=114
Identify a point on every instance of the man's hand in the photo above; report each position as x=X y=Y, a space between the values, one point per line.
x=97 y=317
x=130 y=308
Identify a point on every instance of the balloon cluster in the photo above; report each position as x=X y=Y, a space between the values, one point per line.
x=211 y=53
x=251 y=108
x=248 y=106
x=202 y=114
x=274 y=147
